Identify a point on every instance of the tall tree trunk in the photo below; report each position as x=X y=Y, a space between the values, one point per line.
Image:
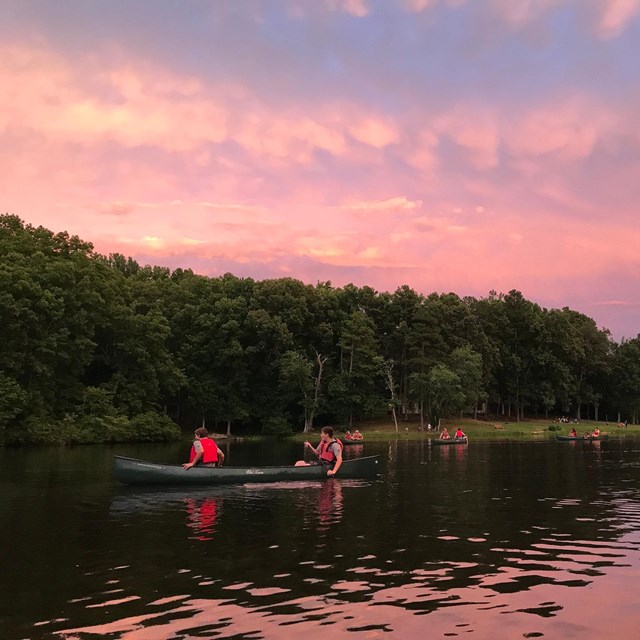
x=388 y=370
x=229 y=427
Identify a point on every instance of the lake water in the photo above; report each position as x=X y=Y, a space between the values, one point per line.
x=493 y=540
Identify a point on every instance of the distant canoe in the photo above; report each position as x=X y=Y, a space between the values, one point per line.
x=133 y=471
x=450 y=441
x=347 y=443
x=583 y=438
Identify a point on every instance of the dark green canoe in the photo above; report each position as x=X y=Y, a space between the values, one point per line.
x=348 y=443
x=584 y=438
x=133 y=471
x=449 y=441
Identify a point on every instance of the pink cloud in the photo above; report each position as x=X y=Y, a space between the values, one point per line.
x=518 y=13
x=613 y=16
x=473 y=129
x=397 y=203
x=569 y=128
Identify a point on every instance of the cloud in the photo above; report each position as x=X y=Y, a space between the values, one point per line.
x=397 y=203
x=417 y=6
x=518 y=13
x=356 y=8
x=615 y=303
x=145 y=105
x=569 y=128
x=374 y=132
x=116 y=208
x=474 y=130
x=613 y=16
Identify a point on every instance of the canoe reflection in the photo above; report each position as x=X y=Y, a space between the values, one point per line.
x=455 y=452
x=202 y=516
x=353 y=451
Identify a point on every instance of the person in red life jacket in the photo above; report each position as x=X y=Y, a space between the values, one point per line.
x=204 y=451
x=357 y=435
x=444 y=434
x=595 y=433
x=573 y=433
x=348 y=436
x=329 y=452
x=459 y=434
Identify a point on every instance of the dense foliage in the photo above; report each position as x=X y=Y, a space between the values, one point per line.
x=101 y=349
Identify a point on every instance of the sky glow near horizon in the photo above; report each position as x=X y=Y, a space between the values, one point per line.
x=451 y=145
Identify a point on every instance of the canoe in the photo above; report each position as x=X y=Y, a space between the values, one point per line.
x=449 y=441
x=348 y=443
x=133 y=471
x=585 y=438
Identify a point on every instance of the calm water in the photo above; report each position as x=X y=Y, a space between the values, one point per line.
x=494 y=540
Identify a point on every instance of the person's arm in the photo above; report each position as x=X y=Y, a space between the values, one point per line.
x=308 y=444
x=338 y=464
x=199 y=453
x=220 y=456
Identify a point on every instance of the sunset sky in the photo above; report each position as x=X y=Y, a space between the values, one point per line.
x=451 y=145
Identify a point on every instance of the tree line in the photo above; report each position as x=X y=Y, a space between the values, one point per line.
x=99 y=348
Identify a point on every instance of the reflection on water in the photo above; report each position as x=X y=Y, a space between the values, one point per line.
x=202 y=516
x=502 y=540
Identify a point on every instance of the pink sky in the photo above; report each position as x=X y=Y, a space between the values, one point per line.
x=445 y=144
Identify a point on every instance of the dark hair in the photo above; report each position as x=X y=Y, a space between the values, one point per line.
x=201 y=432
x=328 y=431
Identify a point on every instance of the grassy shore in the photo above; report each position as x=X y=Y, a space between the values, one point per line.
x=384 y=429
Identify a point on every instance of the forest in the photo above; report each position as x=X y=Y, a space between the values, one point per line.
x=102 y=349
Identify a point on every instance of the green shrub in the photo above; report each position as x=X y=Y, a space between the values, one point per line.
x=276 y=426
x=152 y=427
x=554 y=427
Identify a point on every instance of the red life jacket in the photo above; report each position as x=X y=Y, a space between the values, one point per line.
x=210 y=453
x=326 y=454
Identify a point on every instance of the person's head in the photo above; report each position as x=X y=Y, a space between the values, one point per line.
x=356 y=431
x=201 y=432
x=326 y=433
x=348 y=433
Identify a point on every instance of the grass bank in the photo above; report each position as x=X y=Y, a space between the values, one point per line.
x=384 y=429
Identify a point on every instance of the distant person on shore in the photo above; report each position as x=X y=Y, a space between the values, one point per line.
x=444 y=434
x=328 y=451
x=460 y=434
x=204 y=451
